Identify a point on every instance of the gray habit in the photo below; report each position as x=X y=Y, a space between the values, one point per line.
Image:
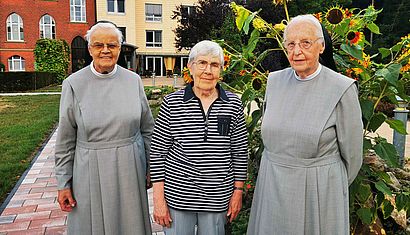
x=312 y=133
x=103 y=140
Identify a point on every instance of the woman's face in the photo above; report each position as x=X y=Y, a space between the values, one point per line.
x=206 y=71
x=104 y=49
x=303 y=61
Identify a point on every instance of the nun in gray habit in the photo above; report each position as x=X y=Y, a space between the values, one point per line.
x=102 y=143
x=312 y=133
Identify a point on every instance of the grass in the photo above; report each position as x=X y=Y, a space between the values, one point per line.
x=25 y=122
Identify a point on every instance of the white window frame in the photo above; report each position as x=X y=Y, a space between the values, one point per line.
x=74 y=17
x=13 y=25
x=153 y=59
x=183 y=58
x=116 y=7
x=153 y=44
x=20 y=61
x=51 y=33
x=151 y=17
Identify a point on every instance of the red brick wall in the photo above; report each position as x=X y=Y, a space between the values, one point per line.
x=31 y=11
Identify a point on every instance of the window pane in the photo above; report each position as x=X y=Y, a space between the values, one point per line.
x=158 y=36
x=150 y=37
x=110 y=5
x=121 y=7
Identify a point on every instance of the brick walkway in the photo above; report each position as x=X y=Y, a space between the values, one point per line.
x=34 y=209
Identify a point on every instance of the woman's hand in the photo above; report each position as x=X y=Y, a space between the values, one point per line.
x=66 y=200
x=161 y=211
x=235 y=205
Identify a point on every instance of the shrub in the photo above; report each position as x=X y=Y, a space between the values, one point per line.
x=52 y=55
x=24 y=81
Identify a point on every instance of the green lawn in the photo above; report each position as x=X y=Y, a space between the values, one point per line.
x=25 y=122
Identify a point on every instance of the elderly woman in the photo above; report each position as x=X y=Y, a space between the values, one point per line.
x=103 y=139
x=199 y=154
x=312 y=133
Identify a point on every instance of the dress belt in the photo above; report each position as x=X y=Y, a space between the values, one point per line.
x=109 y=144
x=302 y=162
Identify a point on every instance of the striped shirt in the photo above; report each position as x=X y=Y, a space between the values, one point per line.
x=199 y=155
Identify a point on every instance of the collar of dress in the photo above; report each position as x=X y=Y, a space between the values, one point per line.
x=189 y=93
x=310 y=77
x=101 y=75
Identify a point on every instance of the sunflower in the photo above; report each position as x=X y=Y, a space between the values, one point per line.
x=259 y=24
x=280 y=1
x=335 y=15
x=187 y=75
x=318 y=16
x=348 y=13
x=354 y=37
x=227 y=61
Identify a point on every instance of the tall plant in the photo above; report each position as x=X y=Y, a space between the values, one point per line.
x=52 y=55
x=380 y=195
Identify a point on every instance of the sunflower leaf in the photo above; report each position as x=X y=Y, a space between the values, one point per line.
x=352 y=50
x=385 y=52
x=374 y=28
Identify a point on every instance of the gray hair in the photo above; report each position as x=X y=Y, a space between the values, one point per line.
x=206 y=47
x=310 y=19
x=103 y=25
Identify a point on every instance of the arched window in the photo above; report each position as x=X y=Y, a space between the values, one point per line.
x=47 y=27
x=15 y=28
x=17 y=63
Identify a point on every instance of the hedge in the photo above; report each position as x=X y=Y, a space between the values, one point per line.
x=24 y=81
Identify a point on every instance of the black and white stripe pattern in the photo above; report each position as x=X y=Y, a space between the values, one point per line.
x=199 y=155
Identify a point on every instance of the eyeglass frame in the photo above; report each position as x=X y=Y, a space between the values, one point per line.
x=286 y=45
x=100 y=46
x=217 y=66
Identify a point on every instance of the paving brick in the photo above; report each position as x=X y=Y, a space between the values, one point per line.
x=43 y=189
x=60 y=221
x=35 y=185
x=42 y=175
x=27 y=196
x=48 y=207
x=14 y=226
x=58 y=213
x=36 y=231
x=46 y=179
x=22 y=191
x=39 y=201
x=33 y=216
x=50 y=194
x=6 y=219
x=28 y=181
x=56 y=230
x=15 y=203
x=19 y=210
x=33 y=172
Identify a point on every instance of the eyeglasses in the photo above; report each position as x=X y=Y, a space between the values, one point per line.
x=303 y=44
x=101 y=46
x=202 y=65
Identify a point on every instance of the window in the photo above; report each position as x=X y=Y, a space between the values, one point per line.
x=124 y=33
x=153 y=12
x=17 y=63
x=77 y=11
x=47 y=27
x=116 y=6
x=15 y=28
x=185 y=12
x=154 y=38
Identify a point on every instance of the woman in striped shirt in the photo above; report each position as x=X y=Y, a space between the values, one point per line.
x=199 y=155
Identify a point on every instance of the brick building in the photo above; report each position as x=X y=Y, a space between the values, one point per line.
x=23 y=22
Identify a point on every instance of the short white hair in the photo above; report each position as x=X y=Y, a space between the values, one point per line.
x=206 y=48
x=103 y=25
x=310 y=19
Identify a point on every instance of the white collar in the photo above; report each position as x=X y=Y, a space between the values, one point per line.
x=310 y=77
x=101 y=75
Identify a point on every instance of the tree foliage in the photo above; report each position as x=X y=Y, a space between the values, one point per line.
x=52 y=55
x=201 y=23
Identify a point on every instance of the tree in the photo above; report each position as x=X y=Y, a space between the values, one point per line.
x=52 y=55
x=201 y=23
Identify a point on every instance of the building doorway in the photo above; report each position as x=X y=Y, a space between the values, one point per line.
x=79 y=54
